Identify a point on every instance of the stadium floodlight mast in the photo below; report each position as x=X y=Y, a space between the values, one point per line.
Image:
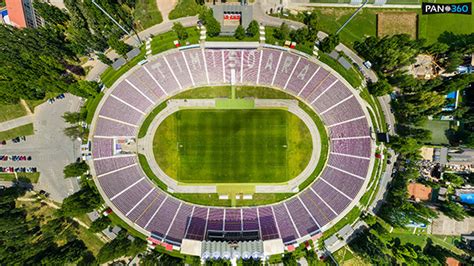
x=118 y=24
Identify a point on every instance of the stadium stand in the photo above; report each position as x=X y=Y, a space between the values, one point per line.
x=170 y=220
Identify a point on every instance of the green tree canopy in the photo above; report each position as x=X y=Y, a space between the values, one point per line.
x=213 y=27
x=329 y=43
x=239 y=33
x=282 y=33
x=100 y=224
x=119 y=46
x=75 y=169
x=180 y=31
x=380 y=88
x=390 y=53
x=81 y=202
x=253 y=28
x=50 y=13
x=33 y=63
x=104 y=59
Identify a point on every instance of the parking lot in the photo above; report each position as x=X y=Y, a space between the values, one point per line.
x=446 y=226
x=49 y=148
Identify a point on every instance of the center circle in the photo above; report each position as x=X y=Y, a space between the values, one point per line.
x=233 y=139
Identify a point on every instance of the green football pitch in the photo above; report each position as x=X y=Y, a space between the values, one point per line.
x=232 y=146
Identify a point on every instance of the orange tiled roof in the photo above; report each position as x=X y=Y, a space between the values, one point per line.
x=419 y=191
x=450 y=261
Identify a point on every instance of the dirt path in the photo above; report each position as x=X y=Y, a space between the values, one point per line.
x=165 y=7
x=27 y=108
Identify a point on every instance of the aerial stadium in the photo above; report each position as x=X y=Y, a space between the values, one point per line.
x=238 y=124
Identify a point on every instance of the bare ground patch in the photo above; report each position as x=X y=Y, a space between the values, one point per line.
x=391 y=23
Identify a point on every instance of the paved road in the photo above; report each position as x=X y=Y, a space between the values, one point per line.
x=383 y=182
x=50 y=149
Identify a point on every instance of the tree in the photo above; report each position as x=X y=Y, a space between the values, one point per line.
x=453 y=60
x=153 y=258
x=50 y=14
x=104 y=59
x=119 y=46
x=300 y=35
x=119 y=247
x=213 y=27
x=329 y=43
x=75 y=169
x=84 y=88
x=33 y=63
x=81 y=202
x=180 y=31
x=100 y=224
x=239 y=33
x=453 y=210
x=379 y=88
x=253 y=28
x=75 y=131
x=73 y=118
x=282 y=33
x=311 y=21
x=454 y=179
x=390 y=53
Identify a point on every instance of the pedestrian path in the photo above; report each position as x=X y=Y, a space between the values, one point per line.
x=17 y=122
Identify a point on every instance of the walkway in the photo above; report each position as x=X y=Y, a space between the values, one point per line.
x=17 y=122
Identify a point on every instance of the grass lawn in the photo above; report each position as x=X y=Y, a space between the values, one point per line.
x=91 y=106
x=365 y=22
x=232 y=146
x=7 y=176
x=232 y=39
x=149 y=173
x=33 y=177
x=351 y=75
x=185 y=8
x=164 y=41
x=348 y=219
x=119 y=222
x=25 y=130
x=11 y=111
x=146 y=14
x=438 y=130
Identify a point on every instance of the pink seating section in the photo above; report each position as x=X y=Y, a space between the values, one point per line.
x=171 y=220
